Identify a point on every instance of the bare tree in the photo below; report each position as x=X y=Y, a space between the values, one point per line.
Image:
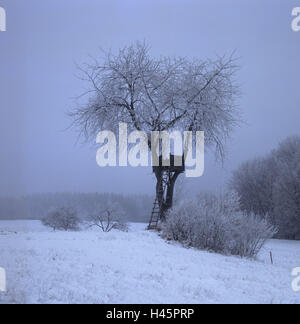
x=107 y=219
x=161 y=94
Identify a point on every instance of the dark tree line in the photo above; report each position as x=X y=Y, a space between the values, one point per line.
x=136 y=208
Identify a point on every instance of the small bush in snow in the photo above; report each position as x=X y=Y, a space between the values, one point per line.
x=121 y=226
x=216 y=224
x=62 y=219
x=108 y=219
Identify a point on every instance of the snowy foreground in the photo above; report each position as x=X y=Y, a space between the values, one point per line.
x=135 y=267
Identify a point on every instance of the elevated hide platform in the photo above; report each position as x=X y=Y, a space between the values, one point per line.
x=169 y=164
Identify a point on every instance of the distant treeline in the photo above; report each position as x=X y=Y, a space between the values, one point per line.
x=136 y=208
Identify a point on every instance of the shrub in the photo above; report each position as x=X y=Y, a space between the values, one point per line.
x=216 y=224
x=249 y=234
x=62 y=219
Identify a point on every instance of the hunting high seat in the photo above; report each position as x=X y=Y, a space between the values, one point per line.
x=169 y=164
x=165 y=171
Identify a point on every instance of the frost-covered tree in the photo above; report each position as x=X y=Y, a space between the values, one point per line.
x=254 y=182
x=159 y=94
x=270 y=187
x=287 y=188
x=64 y=218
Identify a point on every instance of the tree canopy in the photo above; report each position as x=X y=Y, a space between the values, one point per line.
x=159 y=94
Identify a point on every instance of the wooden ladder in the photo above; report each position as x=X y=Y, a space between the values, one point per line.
x=156 y=210
x=155 y=215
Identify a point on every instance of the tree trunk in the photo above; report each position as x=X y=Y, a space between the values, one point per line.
x=165 y=201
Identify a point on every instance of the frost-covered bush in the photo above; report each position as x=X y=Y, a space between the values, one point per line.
x=215 y=223
x=249 y=234
x=64 y=218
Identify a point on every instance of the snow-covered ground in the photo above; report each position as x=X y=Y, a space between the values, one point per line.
x=135 y=267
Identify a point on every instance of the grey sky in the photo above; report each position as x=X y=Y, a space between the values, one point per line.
x=45 y=38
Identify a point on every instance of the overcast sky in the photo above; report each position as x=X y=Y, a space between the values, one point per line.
x=44 y=40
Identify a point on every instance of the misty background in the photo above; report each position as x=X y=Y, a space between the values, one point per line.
x=46 y=39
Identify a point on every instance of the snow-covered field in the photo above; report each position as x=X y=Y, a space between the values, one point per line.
x=135 y=267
